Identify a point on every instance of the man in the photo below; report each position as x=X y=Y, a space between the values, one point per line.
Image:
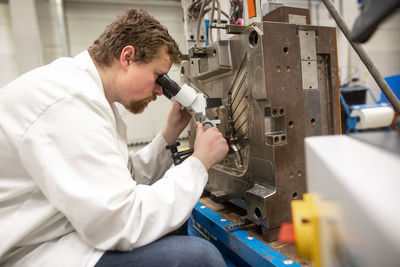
x=67 y=197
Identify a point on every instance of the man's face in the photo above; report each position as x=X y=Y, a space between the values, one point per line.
x=138 y=106
x=140 y=86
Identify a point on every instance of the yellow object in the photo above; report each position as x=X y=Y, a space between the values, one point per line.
x=306 y=221
x=315 y=223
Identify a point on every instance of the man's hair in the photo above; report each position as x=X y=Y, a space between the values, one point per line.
x=138 y=28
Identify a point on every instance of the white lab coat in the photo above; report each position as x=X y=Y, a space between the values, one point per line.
x=66 y=191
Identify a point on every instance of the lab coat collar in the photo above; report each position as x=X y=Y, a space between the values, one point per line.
x=86 y=63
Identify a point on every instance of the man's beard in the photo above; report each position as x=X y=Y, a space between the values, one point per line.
x=137 y=107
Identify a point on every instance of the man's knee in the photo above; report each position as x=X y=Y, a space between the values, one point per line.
x=195 y=251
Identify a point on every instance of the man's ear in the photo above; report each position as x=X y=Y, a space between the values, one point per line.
x=127 y=56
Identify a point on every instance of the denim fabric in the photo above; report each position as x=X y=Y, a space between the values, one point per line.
x=171 y=250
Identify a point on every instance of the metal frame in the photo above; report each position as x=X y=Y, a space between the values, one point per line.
x=240 y=247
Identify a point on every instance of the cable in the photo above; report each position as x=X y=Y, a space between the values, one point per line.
x=199 y=22
x=212 y=21
x=219 y=20
x=206 y=10
x=203 y=11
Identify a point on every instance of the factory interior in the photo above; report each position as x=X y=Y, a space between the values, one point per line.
x=306 y=94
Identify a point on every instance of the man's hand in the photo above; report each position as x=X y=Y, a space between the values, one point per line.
x=210 y=146
x=177 y=121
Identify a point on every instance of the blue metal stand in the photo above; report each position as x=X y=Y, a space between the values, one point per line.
x=238 y=247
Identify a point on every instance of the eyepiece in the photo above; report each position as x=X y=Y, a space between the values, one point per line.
x=170 y=88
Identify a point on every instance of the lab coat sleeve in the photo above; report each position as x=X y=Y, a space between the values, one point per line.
x=151 y=162
x=71 y=153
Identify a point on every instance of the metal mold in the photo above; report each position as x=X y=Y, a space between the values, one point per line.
x=266 y=113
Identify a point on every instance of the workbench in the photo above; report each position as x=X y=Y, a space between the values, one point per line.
x=241 y=245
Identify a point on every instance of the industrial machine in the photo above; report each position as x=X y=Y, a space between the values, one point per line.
x=277 y=81
x=349 y=216
x=276 y=76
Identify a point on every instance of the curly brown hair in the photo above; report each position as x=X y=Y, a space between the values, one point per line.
x=138 y=28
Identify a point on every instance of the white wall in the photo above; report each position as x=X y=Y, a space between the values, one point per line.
x=52 y=32
x=8 y=65
x=27 y=43
x=384 y=50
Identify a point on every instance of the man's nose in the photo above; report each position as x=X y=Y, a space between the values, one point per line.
x=158 y=89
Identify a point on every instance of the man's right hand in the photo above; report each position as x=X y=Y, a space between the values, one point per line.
x=210 y=146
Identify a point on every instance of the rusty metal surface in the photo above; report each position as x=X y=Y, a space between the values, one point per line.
x=267 y=113
x=282 y=14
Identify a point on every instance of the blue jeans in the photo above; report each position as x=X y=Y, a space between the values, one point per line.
x=174 y=249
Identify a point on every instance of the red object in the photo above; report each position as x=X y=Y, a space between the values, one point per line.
x=286 y=233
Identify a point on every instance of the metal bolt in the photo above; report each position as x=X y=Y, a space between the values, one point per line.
x=202 y=207
x=250 y=237
x=223 y=220
x=288 y=262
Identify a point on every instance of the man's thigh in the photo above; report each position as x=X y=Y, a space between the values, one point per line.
x=172 y=250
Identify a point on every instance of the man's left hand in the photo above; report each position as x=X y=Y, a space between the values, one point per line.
x=177 y=121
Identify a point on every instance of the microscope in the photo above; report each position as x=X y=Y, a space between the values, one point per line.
x=195 y=102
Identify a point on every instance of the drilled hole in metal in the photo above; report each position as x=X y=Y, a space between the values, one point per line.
x=285 y=50
x=257 y=213
x=253 y=39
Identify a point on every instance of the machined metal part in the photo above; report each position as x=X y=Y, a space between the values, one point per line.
x=271 y=100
